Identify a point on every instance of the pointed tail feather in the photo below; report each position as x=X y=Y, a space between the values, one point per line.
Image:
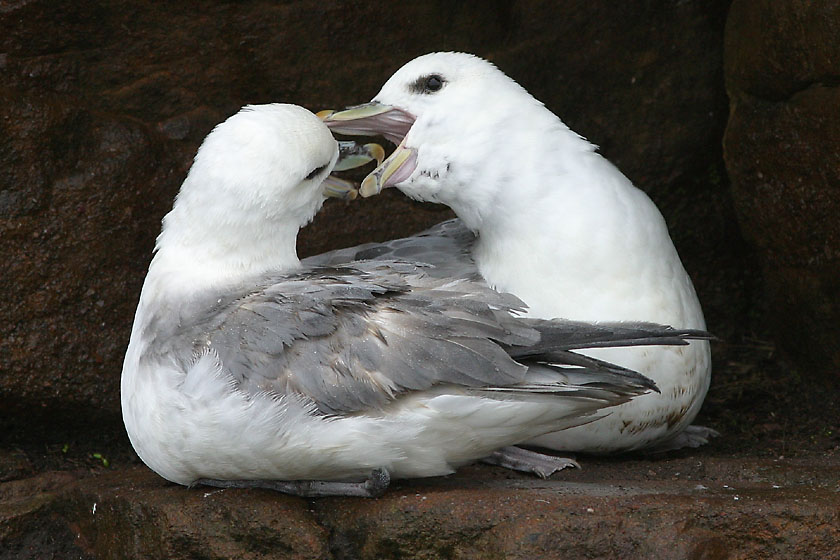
x=556 y=368
x=561 y=334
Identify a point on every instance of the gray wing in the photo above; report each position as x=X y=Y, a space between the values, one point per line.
x=447 y=247
x=352 y=337
x=355 y=337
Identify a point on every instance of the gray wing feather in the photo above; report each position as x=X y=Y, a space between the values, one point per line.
x=447 y=247
x=353 y=337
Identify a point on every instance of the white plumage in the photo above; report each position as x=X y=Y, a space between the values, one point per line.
x=557 y=225
x=247 y=365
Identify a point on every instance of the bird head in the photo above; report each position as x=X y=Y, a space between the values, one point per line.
x=445 y=111
x=257 y=178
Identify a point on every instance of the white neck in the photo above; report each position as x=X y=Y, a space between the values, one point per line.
x=214 y=245
x=545 y=171
x=611 y=256
x=228 y=259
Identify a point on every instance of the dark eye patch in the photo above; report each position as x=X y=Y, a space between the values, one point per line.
x=427 y=84
x=315 y=172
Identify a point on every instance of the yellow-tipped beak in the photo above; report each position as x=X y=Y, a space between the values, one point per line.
x=339 y=188
x=369 y=119
x=353 y=113
x=351 y=155
x=397 y=168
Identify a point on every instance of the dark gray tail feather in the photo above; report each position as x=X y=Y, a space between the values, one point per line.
x=575 y=375
x=588 y=371
x=560 y=337
x=561 y=334
x=570 y=375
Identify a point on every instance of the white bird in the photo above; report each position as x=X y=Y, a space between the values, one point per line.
x=247 y=367
x=556 y=224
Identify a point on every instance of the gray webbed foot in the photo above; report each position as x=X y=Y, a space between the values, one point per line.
x=692 y=436
x=372 y=487
x=523 y=460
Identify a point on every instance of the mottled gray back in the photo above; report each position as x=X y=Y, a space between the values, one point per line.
x=447 y=247
x=351 y=337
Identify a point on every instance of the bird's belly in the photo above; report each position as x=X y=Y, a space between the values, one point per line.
x=200 y=426
x=682 y=373
x=213 y=430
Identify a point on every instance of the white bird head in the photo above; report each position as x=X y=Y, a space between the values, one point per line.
x=434 y=85
x=264 y=160
x=257 y=178
x=457 y=119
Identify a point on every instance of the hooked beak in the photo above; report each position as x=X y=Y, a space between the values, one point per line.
x=369 y=119
x=335 y=187
x=396 y=169
x=350 y=156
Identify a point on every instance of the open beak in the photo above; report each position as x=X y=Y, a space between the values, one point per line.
x=369 y=119
x=374 y=118
x=396 y=169
x=335 y=187
x=350 y=156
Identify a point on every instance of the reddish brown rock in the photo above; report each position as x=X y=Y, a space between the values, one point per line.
x=80 y=194
x=135 y=514
x=782 y=154
x=689 y=508
x=29 y=526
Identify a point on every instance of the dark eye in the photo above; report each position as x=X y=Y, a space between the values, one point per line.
x=315 y=172
x=434 y=83
x=427 y=84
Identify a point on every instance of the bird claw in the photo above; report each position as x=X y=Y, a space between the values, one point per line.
x=523 y=460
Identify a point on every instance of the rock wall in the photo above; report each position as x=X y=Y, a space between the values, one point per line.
x=782 y=148
x=102 y=106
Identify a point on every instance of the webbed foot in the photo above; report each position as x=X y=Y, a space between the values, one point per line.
x=692 y=436
x=372 y=487
x=523 y=460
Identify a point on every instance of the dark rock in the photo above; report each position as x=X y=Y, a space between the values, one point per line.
x=684 y=508
x=29 y=528
x=81 y=194
x=14 y=464
x=781 y=153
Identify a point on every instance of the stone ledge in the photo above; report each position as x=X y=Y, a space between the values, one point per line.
x=688 y=507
